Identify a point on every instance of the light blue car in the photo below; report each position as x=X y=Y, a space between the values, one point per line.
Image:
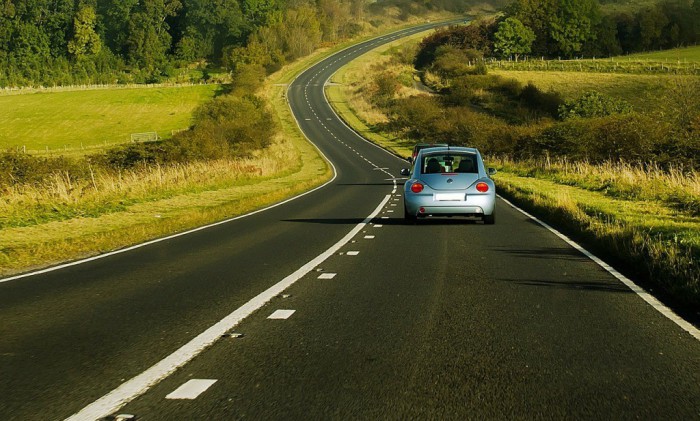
x=449 y=181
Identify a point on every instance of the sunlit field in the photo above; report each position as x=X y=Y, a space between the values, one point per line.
x=83 y=120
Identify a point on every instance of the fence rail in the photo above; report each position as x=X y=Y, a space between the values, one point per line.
x=613 y=65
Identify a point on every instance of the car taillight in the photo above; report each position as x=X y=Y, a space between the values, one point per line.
x=482 y=187
x=416 y=187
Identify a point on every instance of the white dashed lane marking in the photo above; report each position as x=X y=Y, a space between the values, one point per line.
x=369 y=237
x=326 y=276
x=191 y=389
x=352 y=253
x=281 y=314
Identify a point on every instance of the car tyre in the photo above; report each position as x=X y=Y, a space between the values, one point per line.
x=409 y=217
x=490 y=219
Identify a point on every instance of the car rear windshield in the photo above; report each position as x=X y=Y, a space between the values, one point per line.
x=449 y=163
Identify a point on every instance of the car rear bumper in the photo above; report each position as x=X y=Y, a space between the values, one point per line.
x=474 y=205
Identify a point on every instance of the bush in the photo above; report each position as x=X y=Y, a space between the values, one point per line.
x=548 y=102
x=630 y=138
x=20 y=168
x=594 y=104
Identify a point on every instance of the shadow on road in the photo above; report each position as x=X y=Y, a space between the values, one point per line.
x=573 y=285
x=547 y=253
x=390 y=221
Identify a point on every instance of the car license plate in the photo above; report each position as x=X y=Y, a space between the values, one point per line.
x=449 y=197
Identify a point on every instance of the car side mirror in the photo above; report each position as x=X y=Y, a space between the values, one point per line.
x=405 y=171
x=492 y=171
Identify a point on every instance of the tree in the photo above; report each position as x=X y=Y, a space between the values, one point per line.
x=513 y=38
x=651 y=24
x=573 y=25
x=561 y=27
x=149 y=39
x=115 y=16
x=537 y=15
x=300 y=32
x=205 y=27
x=85 y=40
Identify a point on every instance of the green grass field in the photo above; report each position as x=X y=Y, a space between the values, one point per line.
x=644 y=92
x=77 y=121
x=689 y=54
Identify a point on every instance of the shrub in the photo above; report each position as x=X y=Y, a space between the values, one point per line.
x=594 y=104
x=548 y=102
x=630 y=138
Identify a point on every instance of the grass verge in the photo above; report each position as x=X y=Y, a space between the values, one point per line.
x=617 y=212
x=158 y=202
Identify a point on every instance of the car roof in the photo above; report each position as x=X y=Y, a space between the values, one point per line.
x=443 y=149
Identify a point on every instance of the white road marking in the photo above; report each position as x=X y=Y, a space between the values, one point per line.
x=191 y=389
x=281 y=314
x=181 y=234
x=378 y=226
x=352 y=253
x=651 y=300
x=369 y=237
x=326 y=276
x=129 y=390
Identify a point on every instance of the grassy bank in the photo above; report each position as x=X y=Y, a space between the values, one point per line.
x=642 y=219
x=65 y=220
x=81 y=121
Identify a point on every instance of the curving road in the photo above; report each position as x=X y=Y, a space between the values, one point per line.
x=446 y=319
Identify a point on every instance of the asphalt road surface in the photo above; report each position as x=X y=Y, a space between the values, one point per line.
x=331 y=307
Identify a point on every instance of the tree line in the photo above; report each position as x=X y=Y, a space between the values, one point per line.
x=576 y=28
x=63 y=42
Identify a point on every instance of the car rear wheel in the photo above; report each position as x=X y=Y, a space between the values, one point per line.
x=409 y=217
x=490 y=219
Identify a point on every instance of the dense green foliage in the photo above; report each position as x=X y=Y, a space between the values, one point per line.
x=500 y=116
x=513 y=38
x=572 y=28
x=594 y=104
x=64 y=42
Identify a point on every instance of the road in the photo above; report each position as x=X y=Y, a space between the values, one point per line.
x=445 y=319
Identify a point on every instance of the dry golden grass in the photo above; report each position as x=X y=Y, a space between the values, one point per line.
x=196 y=194
x=676 y=187
x=645 y=217
x=653 y=240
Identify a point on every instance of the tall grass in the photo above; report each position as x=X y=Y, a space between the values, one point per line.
x=652 y=244
x=642 y=218
x=59 y=197
x=676 y=187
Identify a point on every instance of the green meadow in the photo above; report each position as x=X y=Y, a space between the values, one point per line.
x=691 y=54
x=82 y=120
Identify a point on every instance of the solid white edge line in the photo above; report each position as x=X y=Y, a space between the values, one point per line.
x=138 y=385
x=651 y=300
x=158 y=240
x=170 y=237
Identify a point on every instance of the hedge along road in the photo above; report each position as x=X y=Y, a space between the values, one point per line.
x=443 y=319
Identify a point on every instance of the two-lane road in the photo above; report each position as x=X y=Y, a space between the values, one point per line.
x=445 y=319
